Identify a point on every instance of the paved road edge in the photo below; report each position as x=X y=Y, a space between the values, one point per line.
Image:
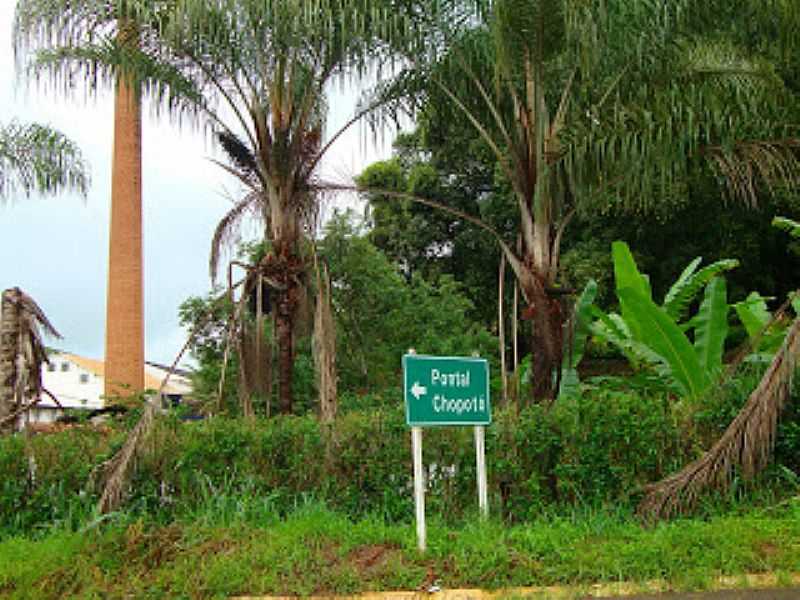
x=621 y=589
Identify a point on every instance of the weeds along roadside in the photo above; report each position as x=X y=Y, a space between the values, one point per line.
x=590 y=451
x=316 y=550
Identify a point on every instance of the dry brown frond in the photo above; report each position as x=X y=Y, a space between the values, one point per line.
x=746 y=445
x=256 y=360
x=325 y=346
x=120 y=466
x=118 y=469
x=22 y=353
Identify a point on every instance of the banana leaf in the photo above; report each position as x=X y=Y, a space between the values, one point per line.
x=612 y=329
x=682 y=280
x=755 y=316
x=794 y=299
x=677 y=361
x=683 y=291
x=627 y=275
x=583 y=318
x=711 y=327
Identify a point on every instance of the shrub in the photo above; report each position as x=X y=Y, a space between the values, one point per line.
x=594 y=449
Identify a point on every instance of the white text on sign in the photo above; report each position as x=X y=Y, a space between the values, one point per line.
x=456 y=379
x=458 y=405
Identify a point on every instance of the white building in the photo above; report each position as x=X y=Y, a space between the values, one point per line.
x=78 y=383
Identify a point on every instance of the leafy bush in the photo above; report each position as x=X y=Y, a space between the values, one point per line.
x=592 y=449
x=50 y=482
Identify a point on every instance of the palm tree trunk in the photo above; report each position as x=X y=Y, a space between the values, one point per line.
x=546 y=317
x=283 y=231
x=9 y=332
x=546 y=350
x=124 y=369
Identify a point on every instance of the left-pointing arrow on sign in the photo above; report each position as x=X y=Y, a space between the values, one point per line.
x=418 y=390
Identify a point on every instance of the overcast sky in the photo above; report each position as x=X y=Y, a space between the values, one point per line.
x=56 y=248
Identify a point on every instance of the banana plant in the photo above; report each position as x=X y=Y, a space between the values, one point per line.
x=581 y=328
x=657 y=335
x=766 y=333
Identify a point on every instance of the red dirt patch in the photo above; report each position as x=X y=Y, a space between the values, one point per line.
x=371 y=556
x=767 y=549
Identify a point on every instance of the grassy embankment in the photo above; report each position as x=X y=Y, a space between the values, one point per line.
x=240 y=546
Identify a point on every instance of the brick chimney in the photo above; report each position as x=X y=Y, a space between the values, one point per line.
x=124 y=301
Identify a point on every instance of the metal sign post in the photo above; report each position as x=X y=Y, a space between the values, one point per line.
x=442 y=391
x=480 y=463
x=419 y=487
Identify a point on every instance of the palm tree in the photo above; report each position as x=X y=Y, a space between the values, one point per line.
x=36 y=158
x=602 y=106
x=255 y=72
x=70 y=40
x=21 y=355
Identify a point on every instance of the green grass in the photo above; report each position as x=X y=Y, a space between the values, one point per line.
x=314 y=550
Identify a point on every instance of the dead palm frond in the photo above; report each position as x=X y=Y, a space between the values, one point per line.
x=256 y=360
x=746 y=446
x=248 y=340
x=325 y=346
x=117 y=470
x=120 y=466
x=22 y=353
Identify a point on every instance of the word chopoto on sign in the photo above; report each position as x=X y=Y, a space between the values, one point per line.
x=446 y=390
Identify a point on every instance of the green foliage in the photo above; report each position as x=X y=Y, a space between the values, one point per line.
x=652 y=327
x=588 y=449
x=652 y=334
x=36 y=158
x=689 y=284
x=421 y=240
x=596 y=448
x=711 y=326
x=380 y=314
x=208 y=318
x=765 y=334
x=49 y=484
x=790 y=226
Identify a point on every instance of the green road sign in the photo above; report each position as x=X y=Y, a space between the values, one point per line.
x=442 y=390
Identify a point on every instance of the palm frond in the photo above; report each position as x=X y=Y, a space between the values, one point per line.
x=119 y=468
x=37 y=159
x=22 y=353
x=745 y=447
x=226 y=232
x=95 y=66
x=751 y=165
